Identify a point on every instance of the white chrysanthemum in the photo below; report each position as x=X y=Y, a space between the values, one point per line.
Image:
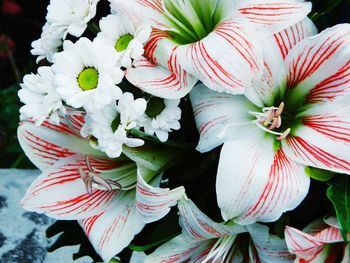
x=86 y=74
x=48 y=43
x=110 y=125
x=127 y=39
x=72 y=15
x=39 y=95
x=161 y=117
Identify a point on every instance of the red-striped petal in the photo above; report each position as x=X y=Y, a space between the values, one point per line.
x=318 y=68
x=309 y=247
x=227 y=60
x=159 y=73
x=269 y=248
x=272 y=16
x=275 y=49
x=60 y=192
x=153 y=203
x=178 y=250
x=322 y=141
x=199 y=226
x=219 y=117
x=256 y=182
x=46 y=144
x=111 y=231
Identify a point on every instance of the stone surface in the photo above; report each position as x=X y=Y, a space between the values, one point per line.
x=22 y=233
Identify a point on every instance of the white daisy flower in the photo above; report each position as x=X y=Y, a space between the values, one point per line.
x=48 y=43
x=72 y=15
x=111 y=124
x=87 y=74
x=161 y=117
x=39 y=95
x=124 y=36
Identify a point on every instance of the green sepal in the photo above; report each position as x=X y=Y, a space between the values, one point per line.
x=339 y=194
x=319 y=174
x=153 y=156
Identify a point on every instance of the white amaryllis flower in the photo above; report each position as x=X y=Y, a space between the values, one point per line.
x=48 y=43
x=161 y=117
x=71 y=15
x=111 y=124
x=294 y=118
x=203 y=241
x=86 y=74
x=112 y=199
x=318 y=242
x=39 y=95
x=215 y=41
x=125 y=36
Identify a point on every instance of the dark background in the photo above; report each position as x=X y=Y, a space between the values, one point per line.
x=24 y=26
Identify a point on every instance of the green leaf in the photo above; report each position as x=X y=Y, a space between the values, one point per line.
x=319 y=174
x=323 y=7
x=339 y=193
x=154 y=156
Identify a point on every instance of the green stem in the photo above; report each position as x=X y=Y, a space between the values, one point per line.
x=94 y=28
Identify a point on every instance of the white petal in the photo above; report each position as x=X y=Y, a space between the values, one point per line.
x=153 y=203
x=227 y=60
x=318 y=67
x=272 y=16
x=219 y=117
x=111 y=231
x=60 y=192
x=322 y=141
x=46 y=144
x=307 y=246
x=270 y=248
x=177 y=250
x=257 y=182
x=199 y=226
x=275 y=49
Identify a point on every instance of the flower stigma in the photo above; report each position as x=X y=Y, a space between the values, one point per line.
x=91 y=177
x=88 y=78
x=123 y=42
x=270 y=119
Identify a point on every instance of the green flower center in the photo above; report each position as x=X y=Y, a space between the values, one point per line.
x=155 y=106
x=192 y=20
x=88 y=79
x=123 y=42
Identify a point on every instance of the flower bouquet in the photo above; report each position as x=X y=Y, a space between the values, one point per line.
x=192 y=131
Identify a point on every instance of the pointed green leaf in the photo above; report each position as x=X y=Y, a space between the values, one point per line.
x=339 y=193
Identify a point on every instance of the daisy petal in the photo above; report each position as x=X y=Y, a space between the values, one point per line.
x=257 y=182
x=218 y=115
x=199 y=226
x=60 y=193
x=227 y=60
x=270 y=248
x=112 y=230
x=153 y=203
x=48 y=143
x=309 y=247
x=274 y=15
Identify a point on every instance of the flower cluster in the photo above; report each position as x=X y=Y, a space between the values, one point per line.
x=108 y=120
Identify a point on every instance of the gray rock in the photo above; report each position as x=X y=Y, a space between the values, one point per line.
x=22 y=233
